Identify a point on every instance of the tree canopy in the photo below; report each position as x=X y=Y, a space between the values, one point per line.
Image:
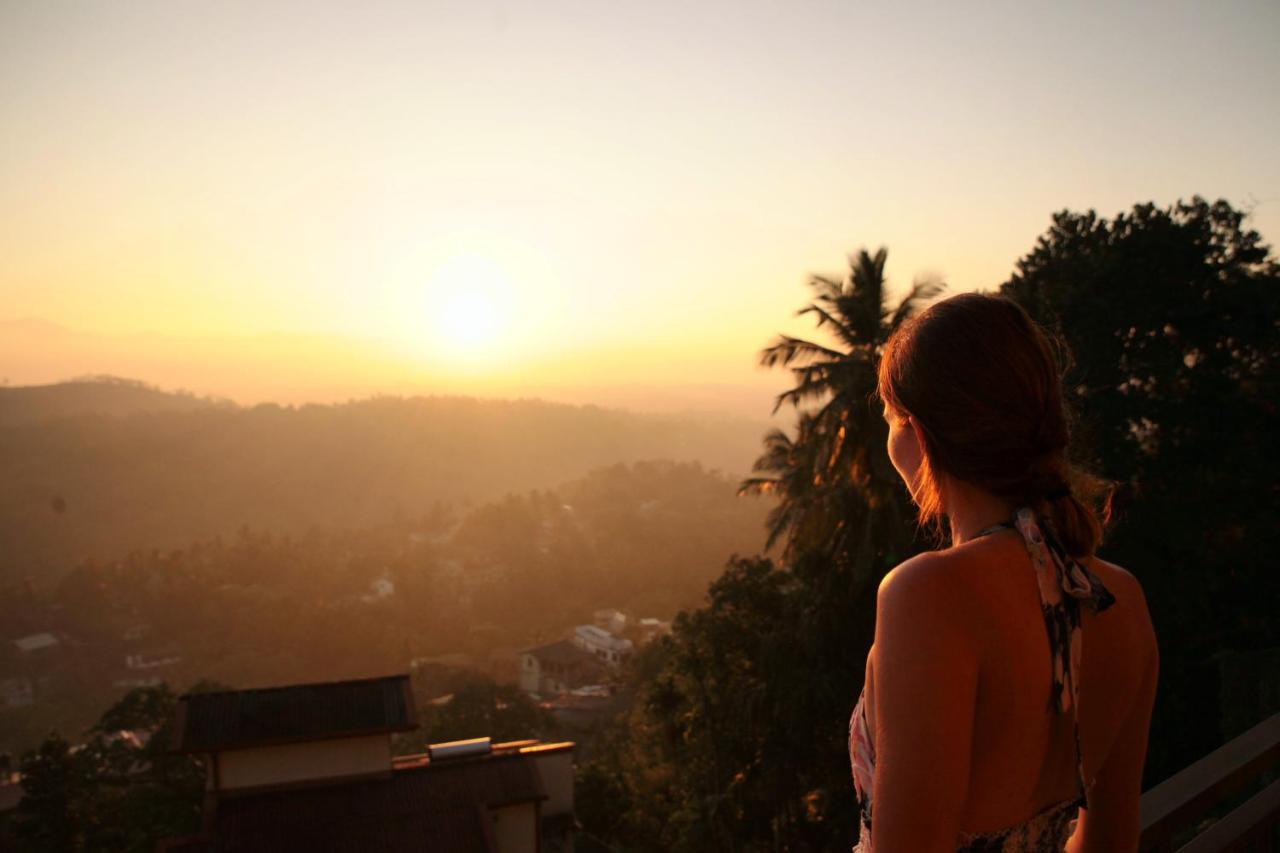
x=737 y=740
x=1172 y=318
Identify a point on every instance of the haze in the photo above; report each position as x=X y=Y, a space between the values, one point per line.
x=607 y=202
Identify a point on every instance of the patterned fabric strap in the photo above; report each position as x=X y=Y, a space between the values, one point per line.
x=1065 y=584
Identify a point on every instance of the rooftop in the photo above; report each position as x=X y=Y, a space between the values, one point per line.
x=424 y=805
x=33 y=642
x=563 y=652
x=238 y=719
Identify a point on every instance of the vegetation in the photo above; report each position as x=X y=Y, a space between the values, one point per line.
x=460 y=704
x=121 y=790
x=82 y=484
x=738 y=739
x=1172 y=316
x=259 y=608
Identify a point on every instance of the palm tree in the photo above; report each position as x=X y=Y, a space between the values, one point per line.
x=839 y=498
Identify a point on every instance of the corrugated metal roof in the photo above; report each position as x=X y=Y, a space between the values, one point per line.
x=209 y=722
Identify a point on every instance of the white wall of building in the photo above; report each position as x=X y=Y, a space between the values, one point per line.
x=298 y=762
x=602 y=644
x=556 y=770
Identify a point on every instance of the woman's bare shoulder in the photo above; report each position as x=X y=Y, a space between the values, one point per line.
x=1130 y=605
x=924 y=590
x=1119 y=580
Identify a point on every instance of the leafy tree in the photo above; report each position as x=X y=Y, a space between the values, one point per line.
x=734 y=744
x=481 y=707
x=120 y=791
x=702 y=758
x=1173 y=318
x=56 y=798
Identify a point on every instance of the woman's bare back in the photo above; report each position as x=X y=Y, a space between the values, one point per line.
x=1023 y=758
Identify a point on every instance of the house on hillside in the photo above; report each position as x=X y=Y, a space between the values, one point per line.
x=152 y=660
x=605 y=646
x=310 y=767
x=34 y=644
x=559 y=666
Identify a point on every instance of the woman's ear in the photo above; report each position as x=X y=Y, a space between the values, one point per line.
x=919 y=433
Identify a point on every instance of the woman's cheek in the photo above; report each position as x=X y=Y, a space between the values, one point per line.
x=904 y=453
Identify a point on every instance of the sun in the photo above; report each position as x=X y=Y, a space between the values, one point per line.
x=469 y=299
x=469 y=320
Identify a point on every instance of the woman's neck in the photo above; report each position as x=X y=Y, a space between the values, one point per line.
x=970 y=510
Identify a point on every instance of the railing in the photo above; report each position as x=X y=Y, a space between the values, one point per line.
x=1178 y=803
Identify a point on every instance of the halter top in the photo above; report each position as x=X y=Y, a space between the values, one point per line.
x=1064 y=584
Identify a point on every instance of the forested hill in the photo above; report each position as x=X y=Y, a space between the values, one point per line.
x=98 y=485
x=94 y=395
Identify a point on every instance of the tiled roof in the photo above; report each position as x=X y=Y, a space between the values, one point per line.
x=565 y=653
x=439 y=806
x=235 y=719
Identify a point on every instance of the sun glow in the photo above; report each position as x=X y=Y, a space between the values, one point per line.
x=469 y=299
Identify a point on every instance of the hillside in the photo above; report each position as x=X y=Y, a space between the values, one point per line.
x=94 y=395
x=98 y=485
x=256 y=608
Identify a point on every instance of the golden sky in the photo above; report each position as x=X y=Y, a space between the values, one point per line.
x=270 y=199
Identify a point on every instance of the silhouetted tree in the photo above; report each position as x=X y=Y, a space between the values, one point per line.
x=838 y=495
x=1173 y=319
x=119 y=791
x=480 y=707
x=737 y=739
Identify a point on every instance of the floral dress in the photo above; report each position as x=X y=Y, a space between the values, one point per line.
x=1064 y=584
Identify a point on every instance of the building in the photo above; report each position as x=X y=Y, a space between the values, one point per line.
x=583 y=707
x=33 y=643
x=612 y=620
x=559 y=666
x=309 y=767
x=649 y=629
x=599 y=642
x=154 y=660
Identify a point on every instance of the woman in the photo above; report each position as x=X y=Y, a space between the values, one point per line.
x=965 y=736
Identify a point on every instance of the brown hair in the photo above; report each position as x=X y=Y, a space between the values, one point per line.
x=983 y=382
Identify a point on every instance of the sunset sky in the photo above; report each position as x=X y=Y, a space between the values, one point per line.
x=308 y=200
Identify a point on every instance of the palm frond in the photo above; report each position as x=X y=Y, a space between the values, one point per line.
x=922 y=290
x=828 y=288
x=812 y=382
x=788 y=349
x=842 y=328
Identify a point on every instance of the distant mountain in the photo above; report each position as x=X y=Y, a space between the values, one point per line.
x=122 y=466
x=95 y=395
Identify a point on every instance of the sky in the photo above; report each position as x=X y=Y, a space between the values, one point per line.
x=309 y=200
